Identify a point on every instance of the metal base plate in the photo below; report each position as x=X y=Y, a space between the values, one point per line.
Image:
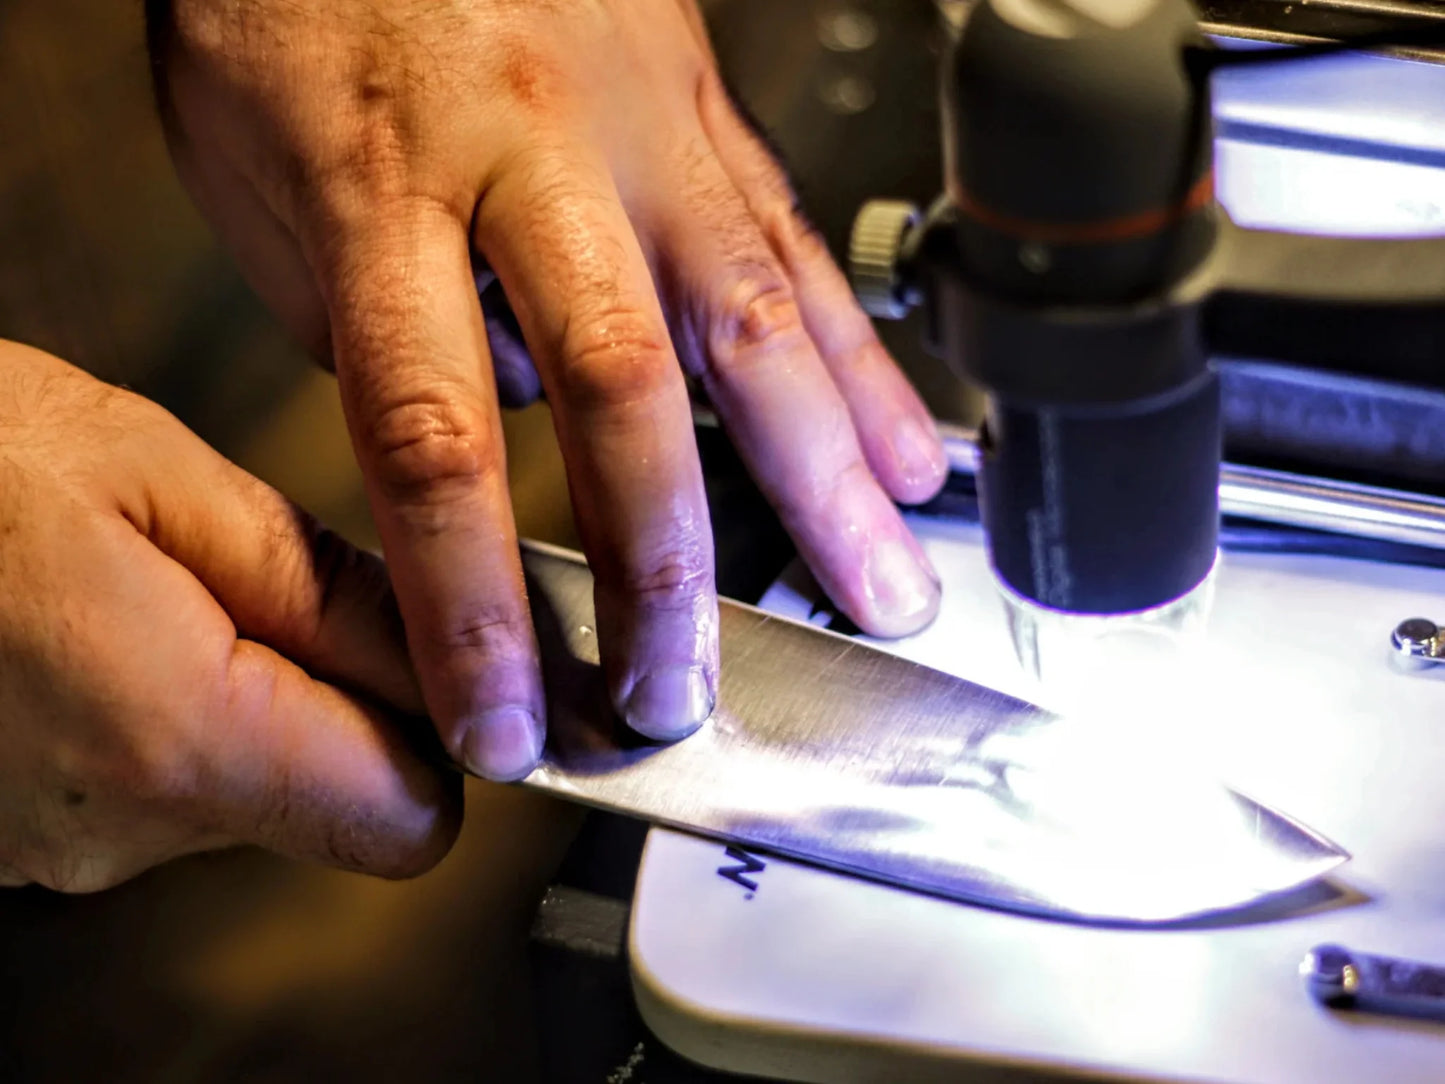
x=768 y=967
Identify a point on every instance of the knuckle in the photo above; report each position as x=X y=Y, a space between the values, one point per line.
x=373 y=170
x=615 y=359
x=530 y=76
x=673 y=581
x=758 y=318
x=368 y=171
x=371 y=180
x=427 y=452
x=493 y=629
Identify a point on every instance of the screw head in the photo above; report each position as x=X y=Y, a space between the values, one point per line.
x=1416 y=632
x=1416 y=643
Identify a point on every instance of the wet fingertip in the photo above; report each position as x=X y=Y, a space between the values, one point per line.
x=893 y=626
x=670 y=702
x=921 y=458
x=503 y=744
x=902 y=591
x=926 y=563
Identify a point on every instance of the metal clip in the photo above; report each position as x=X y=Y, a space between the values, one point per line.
x=1417 y=643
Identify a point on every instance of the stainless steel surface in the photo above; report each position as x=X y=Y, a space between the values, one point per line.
x=1325 y=505
x=1291 y=500
x=824 y=749
x=874 y=248
x=1342 y=978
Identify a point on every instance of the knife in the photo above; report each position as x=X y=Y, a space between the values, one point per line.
x=829 y=751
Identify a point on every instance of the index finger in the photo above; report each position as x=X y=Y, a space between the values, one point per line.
x=416 y=383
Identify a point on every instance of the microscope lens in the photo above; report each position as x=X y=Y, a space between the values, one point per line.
x=1103 y=531
x=1104 y=509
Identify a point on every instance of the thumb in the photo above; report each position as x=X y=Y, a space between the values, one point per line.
x=285 y=581
x=305 y=770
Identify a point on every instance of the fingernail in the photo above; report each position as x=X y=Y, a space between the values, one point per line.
x=920 y=453
x=903 y=589
x=670 y=702
x=503 y=745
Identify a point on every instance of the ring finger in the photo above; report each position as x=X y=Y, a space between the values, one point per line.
x=757 y=360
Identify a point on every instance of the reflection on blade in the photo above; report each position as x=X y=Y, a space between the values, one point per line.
x=830 y=751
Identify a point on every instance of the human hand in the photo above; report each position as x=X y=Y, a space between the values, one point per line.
x=359 y=155
x=164 y=616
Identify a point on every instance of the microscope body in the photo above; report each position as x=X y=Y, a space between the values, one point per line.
x=1063 y=270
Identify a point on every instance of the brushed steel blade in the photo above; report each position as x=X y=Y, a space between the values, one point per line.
x=833 y=752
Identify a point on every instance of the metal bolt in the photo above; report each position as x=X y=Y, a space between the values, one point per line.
x=1417 y=643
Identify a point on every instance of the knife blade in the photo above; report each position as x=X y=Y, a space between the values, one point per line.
x=835 y=753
